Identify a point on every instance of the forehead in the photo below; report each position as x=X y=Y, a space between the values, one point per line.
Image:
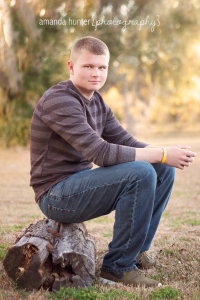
x=93 y=59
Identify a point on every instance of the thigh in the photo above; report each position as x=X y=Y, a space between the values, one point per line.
x=91 y=193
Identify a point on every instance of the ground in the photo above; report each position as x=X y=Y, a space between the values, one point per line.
x=176 y=243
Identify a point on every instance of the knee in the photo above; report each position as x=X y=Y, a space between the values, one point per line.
x=151 y=173
x=147 y=172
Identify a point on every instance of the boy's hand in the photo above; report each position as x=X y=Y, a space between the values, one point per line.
x=179 y=156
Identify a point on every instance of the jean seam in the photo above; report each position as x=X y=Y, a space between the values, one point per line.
x=64 y=210
x=64 y=197
x=90 y=189
x=136 y=198
x=54 y=186
x=132 y=223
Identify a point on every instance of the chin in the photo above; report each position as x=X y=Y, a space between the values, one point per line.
x=93 y=88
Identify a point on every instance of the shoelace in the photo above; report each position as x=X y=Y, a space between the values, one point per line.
x=145 y=255
x=148 y=258
x=139 y=271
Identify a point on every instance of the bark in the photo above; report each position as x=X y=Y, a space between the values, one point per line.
x=27 y=16
x=12 y=78
x=50 y=254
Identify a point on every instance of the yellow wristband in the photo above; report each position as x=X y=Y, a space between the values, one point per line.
x=164 y=155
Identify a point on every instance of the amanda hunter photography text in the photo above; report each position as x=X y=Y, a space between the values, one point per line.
x=96 y=23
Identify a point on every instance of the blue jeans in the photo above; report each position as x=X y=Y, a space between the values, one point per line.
x=138 y=192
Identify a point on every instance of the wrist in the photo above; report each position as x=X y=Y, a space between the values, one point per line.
x=164 y=155
x=159 y=154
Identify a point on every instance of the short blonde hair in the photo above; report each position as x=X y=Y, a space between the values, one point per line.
x=88 y=44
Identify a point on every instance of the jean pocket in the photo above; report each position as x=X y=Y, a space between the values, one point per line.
x=63 y=215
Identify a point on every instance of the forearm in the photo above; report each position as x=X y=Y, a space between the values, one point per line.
x=150 y=154
x=151 y=146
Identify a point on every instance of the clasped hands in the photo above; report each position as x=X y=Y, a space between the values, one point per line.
x=179 y=156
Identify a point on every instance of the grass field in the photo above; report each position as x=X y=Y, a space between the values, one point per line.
x=176 y=244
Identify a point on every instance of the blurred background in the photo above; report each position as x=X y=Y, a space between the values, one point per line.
x=153 y=85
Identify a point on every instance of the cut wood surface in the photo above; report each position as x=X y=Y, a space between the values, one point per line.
x=50 y=254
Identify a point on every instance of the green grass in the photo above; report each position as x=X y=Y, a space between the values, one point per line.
x=107 y=234
x=180 y=193
x=166 y=215
x=176 y=225
x=159 y=277
x=9 y=229
x=171 y=252
x=196 y=296
x=3 y=251
x=192 y=222
x=102 y=219
x=32 y=216
x=92 y=293
x=164 y=293
x=22 y=293
x=159 y=242
x=175 y=222
x=4 y=294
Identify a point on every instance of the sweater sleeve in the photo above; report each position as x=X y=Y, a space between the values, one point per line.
x=114 y=133
x=65 y=116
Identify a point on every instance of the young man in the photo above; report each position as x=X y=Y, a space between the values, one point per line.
x=71 y=128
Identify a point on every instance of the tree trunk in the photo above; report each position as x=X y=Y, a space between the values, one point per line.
x=12 y=79
x=50 y=254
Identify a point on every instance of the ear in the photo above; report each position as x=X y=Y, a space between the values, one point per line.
x=71 y=67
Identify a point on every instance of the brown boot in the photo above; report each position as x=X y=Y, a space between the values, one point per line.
x=133 y=277
x=146 y=262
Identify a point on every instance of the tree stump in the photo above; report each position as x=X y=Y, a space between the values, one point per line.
x=50 y=254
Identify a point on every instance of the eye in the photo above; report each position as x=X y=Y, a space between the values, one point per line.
x=88 y=67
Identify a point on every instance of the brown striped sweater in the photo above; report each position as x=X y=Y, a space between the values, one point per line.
x=69 y=132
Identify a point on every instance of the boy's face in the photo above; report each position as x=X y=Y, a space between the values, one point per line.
x=89 y=72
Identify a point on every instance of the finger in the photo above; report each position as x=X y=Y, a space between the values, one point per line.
x=184 y=146
x=185 y=163
x=193 y=154
x=190 y=154
x=180 y=167
x=189 y=159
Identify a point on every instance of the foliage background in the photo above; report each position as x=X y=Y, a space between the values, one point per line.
x=153 y=83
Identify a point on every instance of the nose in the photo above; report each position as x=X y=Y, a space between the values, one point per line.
x=95 y=72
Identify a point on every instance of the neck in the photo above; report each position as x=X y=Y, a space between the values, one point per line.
x=85 y=94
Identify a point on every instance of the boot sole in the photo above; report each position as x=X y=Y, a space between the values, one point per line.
x=110 y=282
x=106 y=281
